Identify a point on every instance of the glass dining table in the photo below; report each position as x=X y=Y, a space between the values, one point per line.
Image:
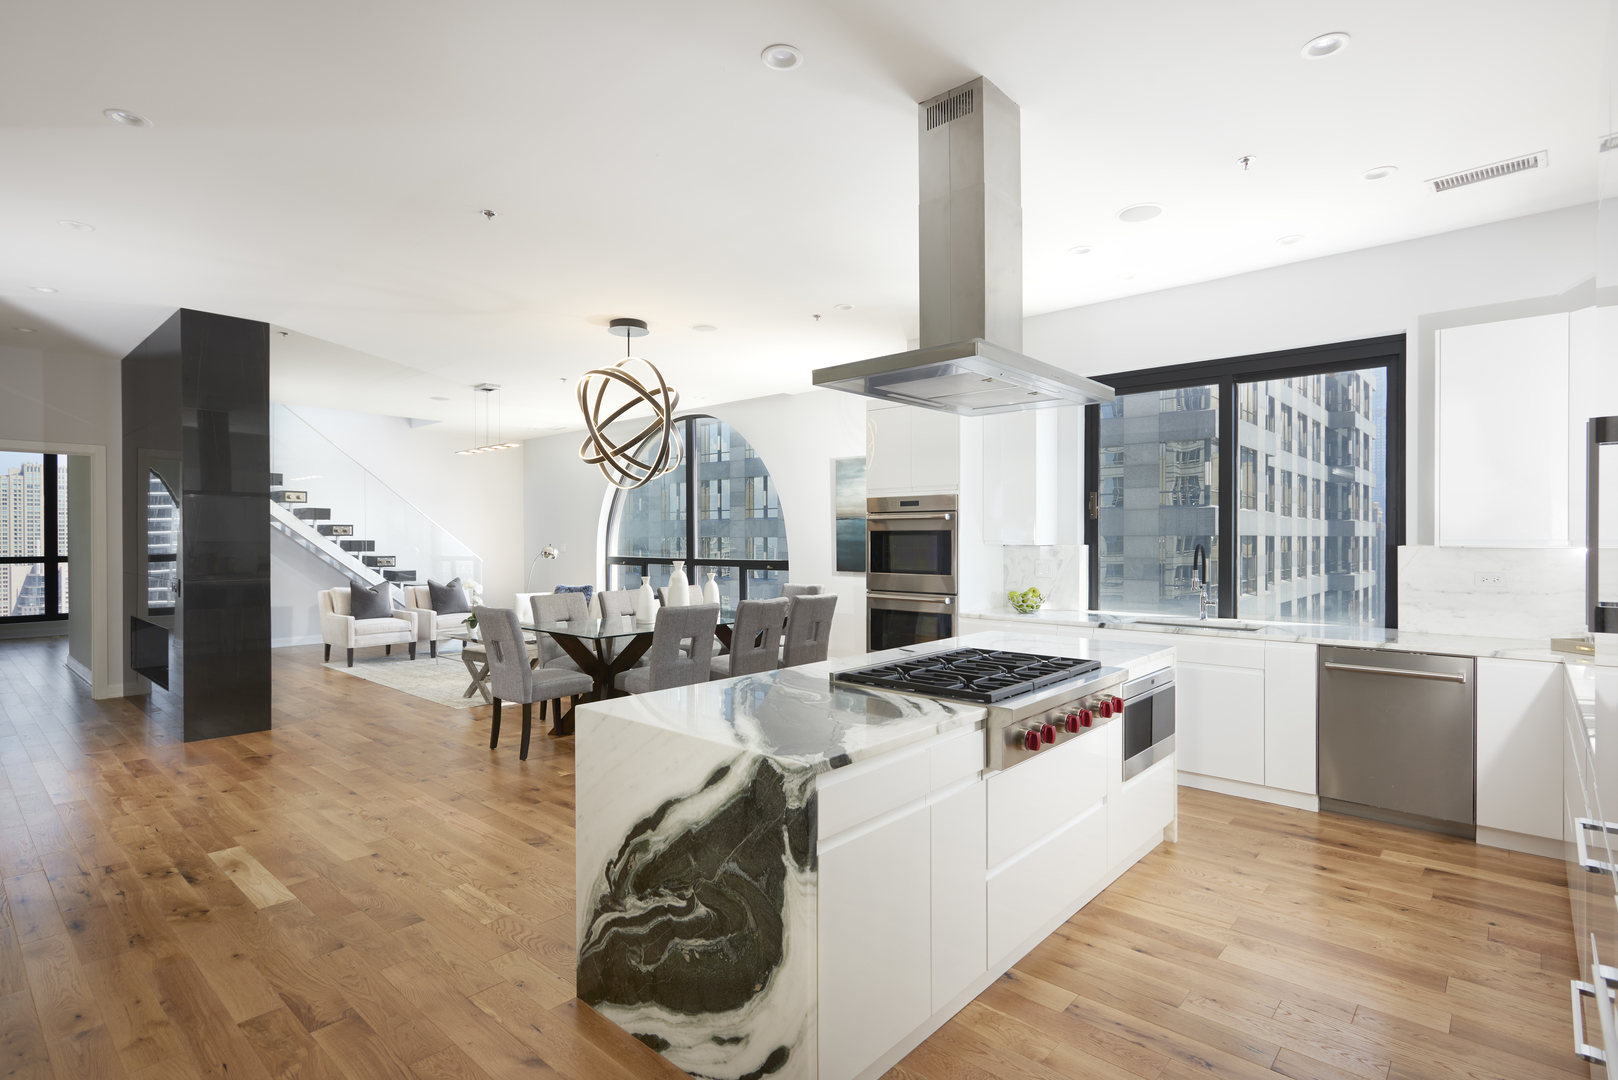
x=600 y=648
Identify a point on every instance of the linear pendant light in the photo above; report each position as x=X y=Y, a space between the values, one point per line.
x=491 y=428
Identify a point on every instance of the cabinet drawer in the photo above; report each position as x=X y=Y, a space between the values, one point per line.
x=1045 y=881
x=957 y=759
x=1140 y=810
x=865 y=790
x=1039 y=795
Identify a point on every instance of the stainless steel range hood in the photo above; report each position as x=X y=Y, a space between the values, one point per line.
x=970 y=361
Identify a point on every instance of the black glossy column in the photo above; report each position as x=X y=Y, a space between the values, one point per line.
x=196 y=397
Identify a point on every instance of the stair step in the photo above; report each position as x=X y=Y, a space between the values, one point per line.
x=290 y=496
x=379 y=561
x=358 y=545
x=399 y=575
x=312 y=513
x=335 y=530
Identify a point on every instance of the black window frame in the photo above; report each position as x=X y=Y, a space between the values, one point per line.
x=53 y=557
x=687 y=424
x=1388 y=352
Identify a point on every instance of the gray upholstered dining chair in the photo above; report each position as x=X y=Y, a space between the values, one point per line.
x=682 y=649
x=802 y=590
x=755 y=639
x=511 y=679
x=617 y=602
x=808 y=637
x=557 y=607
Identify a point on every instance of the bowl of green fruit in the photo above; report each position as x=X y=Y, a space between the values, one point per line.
x=1026 y=602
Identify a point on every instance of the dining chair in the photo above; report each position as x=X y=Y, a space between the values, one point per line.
x=681 y=652
x=808 y=636
x=802 y=590
x=755 y=639
x=617 y=602
x=557 y=607
x=511 y=679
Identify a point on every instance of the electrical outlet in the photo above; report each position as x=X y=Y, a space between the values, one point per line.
x=1489 y=579
x=1044 y=569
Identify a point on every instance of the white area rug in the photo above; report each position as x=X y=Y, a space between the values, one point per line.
x=443 y=680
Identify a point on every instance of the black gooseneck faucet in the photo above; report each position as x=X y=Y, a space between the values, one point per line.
x=1199 y=567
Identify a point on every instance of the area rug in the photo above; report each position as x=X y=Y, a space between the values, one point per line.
x=443 y=680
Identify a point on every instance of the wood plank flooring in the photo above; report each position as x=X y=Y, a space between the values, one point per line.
x=369 y=891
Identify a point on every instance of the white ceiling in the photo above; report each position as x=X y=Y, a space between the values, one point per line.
x=321 y=167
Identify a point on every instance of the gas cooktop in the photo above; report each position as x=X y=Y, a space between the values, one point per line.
x=984 y=676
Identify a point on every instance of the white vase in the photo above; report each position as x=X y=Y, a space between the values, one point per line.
x=710 y=590
x=679 y=587
x=645 y=602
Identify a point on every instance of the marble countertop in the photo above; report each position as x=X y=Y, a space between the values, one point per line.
x=1321 y=634
x=799 y=716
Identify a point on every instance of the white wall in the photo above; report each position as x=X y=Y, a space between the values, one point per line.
x=475 y=498
x=72 y=403
x=797 y=436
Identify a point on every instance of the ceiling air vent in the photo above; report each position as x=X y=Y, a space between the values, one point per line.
x=951 y=108
x=1540 y=160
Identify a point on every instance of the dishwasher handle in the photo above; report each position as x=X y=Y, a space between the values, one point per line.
x=1406 y=673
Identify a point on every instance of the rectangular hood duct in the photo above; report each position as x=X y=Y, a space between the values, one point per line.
x=970 y=361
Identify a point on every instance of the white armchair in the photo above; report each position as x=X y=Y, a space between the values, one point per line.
x=339 y=628
x=430 y=625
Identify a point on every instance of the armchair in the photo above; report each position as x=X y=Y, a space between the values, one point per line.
x=338 y=627
x=432 y=627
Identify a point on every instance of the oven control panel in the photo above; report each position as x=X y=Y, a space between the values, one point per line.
x=1020 y=740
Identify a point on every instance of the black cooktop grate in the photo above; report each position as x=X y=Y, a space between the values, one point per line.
x=984 y=676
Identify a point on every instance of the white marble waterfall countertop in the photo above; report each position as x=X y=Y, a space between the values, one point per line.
x=799 y=716
x=1357 y=637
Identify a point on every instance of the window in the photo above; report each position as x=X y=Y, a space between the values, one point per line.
x=33 y=537
x=1326 y=546
x=721 y=503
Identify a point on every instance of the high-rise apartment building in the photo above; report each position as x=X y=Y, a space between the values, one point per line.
x=22 y=532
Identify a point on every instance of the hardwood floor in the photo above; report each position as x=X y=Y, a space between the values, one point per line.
x=369 y=892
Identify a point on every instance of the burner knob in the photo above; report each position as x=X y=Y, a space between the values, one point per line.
x=1105 y=708
x=1047 y=732
x=1031 y=739
x=1072 y=723
x=1117 y=704
x=1086 y=718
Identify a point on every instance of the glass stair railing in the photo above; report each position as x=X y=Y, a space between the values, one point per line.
x=336 y=509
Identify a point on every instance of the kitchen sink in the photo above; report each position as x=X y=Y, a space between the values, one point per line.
x=1242 y=625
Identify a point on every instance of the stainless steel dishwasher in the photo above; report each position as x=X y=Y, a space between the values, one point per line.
x=1398 y=738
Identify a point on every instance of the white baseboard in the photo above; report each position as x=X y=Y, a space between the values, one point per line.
x=80 y=670
x=287 y=642
x=1527 y=844
x=1258 y=792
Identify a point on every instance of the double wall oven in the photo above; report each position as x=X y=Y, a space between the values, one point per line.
x=911 y=561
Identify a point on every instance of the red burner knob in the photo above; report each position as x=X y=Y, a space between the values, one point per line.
x=1105 y=708
x=1047 y=732
x=1031 y=740
x=1086 y=718
x=1117 y=704
x=1072 y=722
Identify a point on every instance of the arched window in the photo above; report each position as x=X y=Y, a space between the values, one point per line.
x=720 y=504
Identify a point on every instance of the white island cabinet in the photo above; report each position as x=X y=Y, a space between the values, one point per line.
x=781 y=877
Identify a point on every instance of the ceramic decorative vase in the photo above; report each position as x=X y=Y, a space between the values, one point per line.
x=645 y=602
x=710 y=590
x=679 y=587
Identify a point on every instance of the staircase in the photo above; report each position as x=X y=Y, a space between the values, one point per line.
x=310 y=527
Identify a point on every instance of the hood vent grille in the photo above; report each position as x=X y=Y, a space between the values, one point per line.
x=1540 y=160
x=949 y=109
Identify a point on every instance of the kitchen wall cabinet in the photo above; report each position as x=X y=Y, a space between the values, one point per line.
x=1290 y=711
x=1519 y=746
x=911 y=451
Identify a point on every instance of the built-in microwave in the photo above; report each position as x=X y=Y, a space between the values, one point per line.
x=896 y=620
x=910 y=544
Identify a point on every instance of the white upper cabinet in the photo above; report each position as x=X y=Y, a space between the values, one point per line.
x=911 y=451
x=1502 y=425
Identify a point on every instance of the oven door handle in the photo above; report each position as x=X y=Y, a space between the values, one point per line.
x=917 y=597
x=910 y=517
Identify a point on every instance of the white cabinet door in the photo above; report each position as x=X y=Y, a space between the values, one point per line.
x=1219 y=721
x=1519 y=714
x=875 y=942
x=960 y=916
x=1289 y=716
x=1043 y=882
x=935 y=450
x=887 y=451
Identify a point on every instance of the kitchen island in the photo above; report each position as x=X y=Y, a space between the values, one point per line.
x=782 y=876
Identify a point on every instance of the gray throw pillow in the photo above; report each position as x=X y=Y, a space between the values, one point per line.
x=448 y=598
x=370 y=602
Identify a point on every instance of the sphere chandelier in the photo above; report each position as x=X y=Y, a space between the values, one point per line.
x=649 y=453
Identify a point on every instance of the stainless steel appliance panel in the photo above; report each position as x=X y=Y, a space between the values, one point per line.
x=1397 y=737
x=1148 y=721
x=910 y=544
x=897 y=620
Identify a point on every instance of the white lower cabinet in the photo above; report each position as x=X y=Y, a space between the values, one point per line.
x=1290 y=709
x=960 y=917
x=1519 y=746
x=876 y=942
x=1219 y=721
x=1140 y=810
x=1045 y=880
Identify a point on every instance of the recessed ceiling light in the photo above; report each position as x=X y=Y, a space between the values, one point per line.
x=1292 y=239
x=1145 y=211
x=1080 y=250
x=25 y=329
x=1381 y=172
x=844 y=307
x=1325 y=45
x=42 y=288
x=126 y=118
x=439 y=399
x=79 y=225
x=781 y=57
x=704 y=328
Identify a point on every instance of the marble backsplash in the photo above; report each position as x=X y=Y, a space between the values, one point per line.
x=1060 y=571
x=1492 y=592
